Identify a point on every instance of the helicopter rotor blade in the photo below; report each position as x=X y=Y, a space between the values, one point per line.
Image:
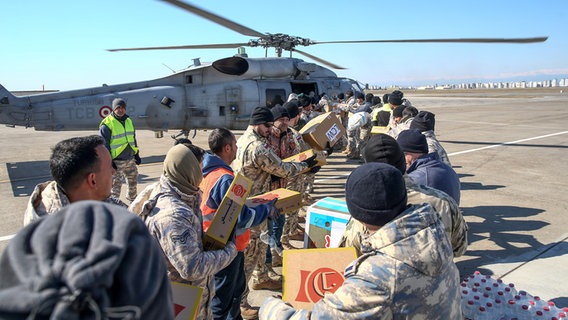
x=196 y=46
x=449 y=40
x=215 y=18
x=320 y=60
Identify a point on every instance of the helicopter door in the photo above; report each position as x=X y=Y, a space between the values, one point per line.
x=304 y=87
x=274 y=97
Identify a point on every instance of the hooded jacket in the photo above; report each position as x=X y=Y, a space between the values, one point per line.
x=406 y=272
x=91 y=260
x=430 y=171
x=174 y=219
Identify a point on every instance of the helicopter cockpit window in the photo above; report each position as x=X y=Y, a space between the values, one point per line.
x=188 y=79
x=274 y=97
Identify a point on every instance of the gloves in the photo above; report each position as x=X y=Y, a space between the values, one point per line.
x=273 y=212
x=328 y=149
x=137 y=158
x=315 y=169
x=311 y=161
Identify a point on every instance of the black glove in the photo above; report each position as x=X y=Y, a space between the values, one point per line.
x=328 y=149
x=311 y=161
x=315 y=169
x=137 y=158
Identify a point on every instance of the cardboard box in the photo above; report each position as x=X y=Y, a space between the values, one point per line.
x=226 y=216
x=288 y=201
x=187 y=299
x=305 y=155
x=322 y=129
x=379 y=129
x=310 y=273
x=325 y=223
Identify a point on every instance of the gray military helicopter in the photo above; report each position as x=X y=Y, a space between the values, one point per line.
x=206 y=95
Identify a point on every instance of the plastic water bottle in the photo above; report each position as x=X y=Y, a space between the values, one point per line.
x=266 y=238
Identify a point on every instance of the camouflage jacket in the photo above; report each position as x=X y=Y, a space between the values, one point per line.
x=284 y=145
x=175 y=220
x=451 y=215
x=400 y=127
x=256 y=161
x=48 y=198
x=406 y=272
x=435 y=146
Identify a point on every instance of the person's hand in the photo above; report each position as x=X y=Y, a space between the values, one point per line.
x=137 y=158
x=328 y=149
x=273 y=212
x=315 y=169
x=311 y=161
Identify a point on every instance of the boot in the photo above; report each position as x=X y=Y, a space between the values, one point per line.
x=298 y=236
x=276 y=258
x=268 y=284
x=248 y=312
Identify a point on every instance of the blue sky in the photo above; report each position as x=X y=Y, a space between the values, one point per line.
x=62 y=44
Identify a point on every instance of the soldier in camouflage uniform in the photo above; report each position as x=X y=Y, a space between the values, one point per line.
x=82 y=170
x=406 y=269
x=425 y=122
x=173 y=217
x=256 y=161
x=383 y=148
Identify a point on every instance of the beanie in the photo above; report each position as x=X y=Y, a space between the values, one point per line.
x=279 y=111
x=383 y=118
x=292 y=108
x=360 y=95
x=118 y=102
x=261 y=115
x=375 y=193
x=384 y=148
x=397 y=113
x=84 y=261
x=395 y=98
x=412 y=140
x=423 y=121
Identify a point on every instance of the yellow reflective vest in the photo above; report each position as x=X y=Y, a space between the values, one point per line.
x=122 y=136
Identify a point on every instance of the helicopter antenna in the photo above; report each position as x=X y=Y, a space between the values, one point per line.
x=165 y=65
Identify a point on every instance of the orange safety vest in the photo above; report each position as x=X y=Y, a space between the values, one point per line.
x=206 y=185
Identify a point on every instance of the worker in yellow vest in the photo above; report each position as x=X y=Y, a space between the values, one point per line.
x=120 y=139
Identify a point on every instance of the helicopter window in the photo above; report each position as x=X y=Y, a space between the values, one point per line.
x=274 y=97
x=221 y=111
x=189 y=79
x=304 y=88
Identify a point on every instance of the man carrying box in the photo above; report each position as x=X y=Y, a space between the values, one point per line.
x=256 y=161
x=230 y=283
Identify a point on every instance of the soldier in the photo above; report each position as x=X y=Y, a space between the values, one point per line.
x=359 y=126
x=406 y=270
x=230 y=283
x=383 y=148
x=256 y=161
x=173 y=217
x=395 y=100
x=120 y=139
x=425 y=122
x=82 y=170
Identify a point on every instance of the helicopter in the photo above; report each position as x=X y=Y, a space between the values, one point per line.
x=206 y=95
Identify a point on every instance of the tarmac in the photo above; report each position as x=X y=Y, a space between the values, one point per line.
x=508 y=148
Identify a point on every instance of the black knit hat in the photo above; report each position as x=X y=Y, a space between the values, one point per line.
x=397 y=113
x=375 y=193
x=261 y=115
x=412 y=140
x=384 y=148
x=279 y=112
x=395 y=98
x=118 y=102
x=424 y=121
x=292 y=108
x=383 y=118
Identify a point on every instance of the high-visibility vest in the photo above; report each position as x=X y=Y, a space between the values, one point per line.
x=122 y=136
x=208 y=213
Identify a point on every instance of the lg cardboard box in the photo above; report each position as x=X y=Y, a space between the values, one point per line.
x=305 y=155
x=186 y=300
x=288 y=200
x=311 y=273
x=322 y=129
x=226 y=216
x=325 y=223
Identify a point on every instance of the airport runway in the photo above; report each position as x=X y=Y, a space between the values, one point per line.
x=509 y=149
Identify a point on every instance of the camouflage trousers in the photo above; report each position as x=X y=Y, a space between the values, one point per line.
x=255 y=259
x=125 y=170
x=291 y=224
x=357 y=139
x=364 y=137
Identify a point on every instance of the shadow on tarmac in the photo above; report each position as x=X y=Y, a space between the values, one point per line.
x=506 y=232
x=24 y=176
